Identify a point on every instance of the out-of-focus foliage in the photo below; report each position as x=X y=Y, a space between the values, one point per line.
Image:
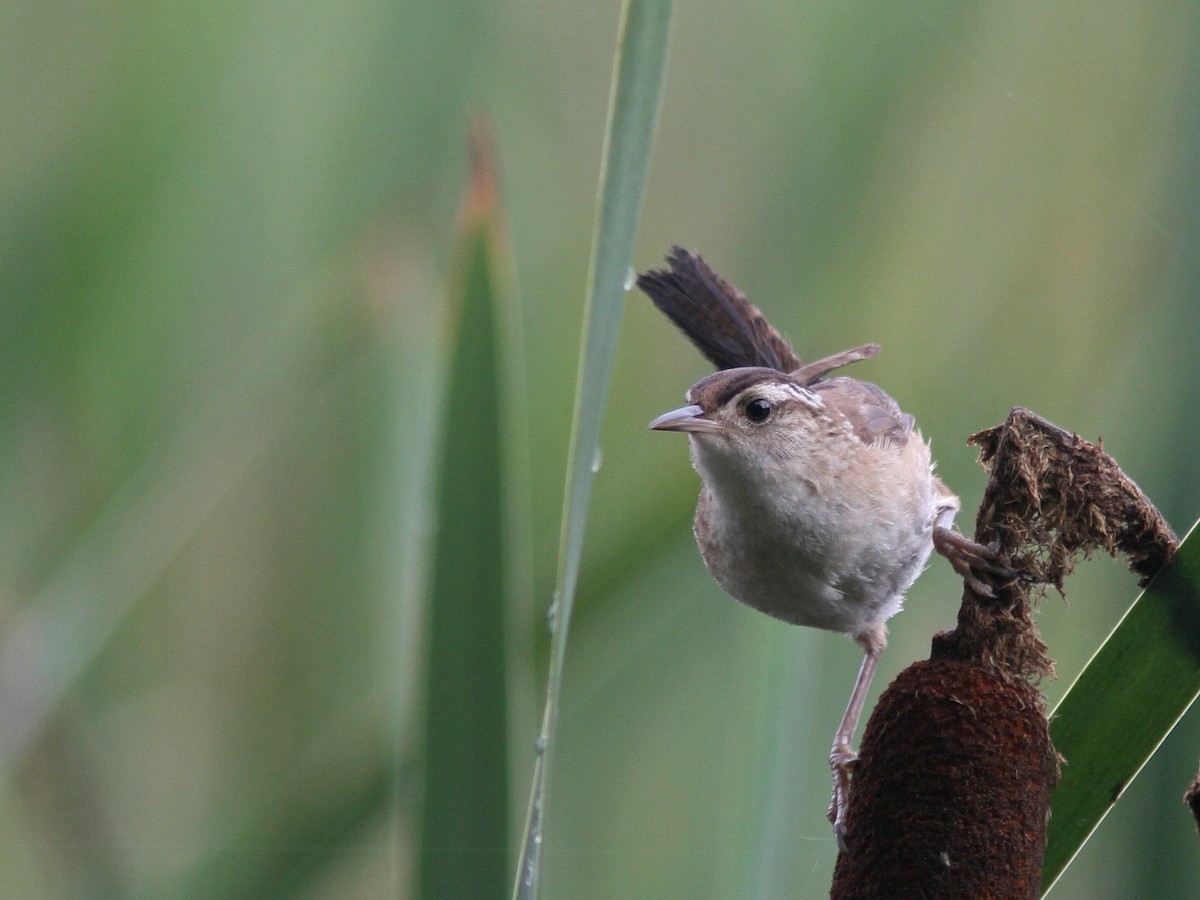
x=226 y=243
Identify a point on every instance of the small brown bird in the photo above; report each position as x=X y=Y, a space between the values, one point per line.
x=818 y=503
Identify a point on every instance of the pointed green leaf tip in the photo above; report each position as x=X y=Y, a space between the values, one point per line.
x=465 y=815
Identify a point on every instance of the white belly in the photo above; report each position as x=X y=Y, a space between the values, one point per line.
x=842 y=566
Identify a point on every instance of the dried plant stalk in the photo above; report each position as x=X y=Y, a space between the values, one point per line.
x=952 y=791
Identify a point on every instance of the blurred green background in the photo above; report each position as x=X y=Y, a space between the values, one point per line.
x=227 y=240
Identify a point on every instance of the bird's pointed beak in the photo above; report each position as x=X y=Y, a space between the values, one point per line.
x=686 y=418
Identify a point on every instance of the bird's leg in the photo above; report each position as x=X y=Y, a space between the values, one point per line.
x=968 y=558
x=843 y=756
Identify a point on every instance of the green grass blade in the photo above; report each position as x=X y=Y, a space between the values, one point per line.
x=633 y=109
x=465 y=814
x=1125 y=702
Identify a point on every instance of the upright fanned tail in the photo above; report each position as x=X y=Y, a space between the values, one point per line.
x=726 y=327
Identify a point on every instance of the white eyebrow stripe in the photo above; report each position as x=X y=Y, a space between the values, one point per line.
x=783 y=391
x=810 y=399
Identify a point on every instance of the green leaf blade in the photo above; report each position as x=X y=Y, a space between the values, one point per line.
x=1122 y=706
x=465 y=813
x=633 y=111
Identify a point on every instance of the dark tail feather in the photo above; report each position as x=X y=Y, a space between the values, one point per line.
x=726 y=327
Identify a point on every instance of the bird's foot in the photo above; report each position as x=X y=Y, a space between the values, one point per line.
x=842 y=760
x=972 y=561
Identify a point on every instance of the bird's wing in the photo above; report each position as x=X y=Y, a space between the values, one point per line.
x=813 y=372
x=875 y=417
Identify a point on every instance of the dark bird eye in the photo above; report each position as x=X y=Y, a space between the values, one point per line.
x=758 y=410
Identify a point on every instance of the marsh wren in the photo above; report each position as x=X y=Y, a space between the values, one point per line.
x=818 y=503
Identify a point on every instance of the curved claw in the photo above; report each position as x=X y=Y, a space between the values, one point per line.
x=842 y=761
x=970 y=560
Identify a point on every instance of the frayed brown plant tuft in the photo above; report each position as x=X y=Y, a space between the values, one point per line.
x=1191 y=799
x=1052 y=497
